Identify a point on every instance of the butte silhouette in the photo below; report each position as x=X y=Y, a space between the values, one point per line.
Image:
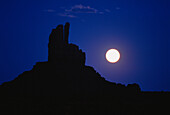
x=64 y=85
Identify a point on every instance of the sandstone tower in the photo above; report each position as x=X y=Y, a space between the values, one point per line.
x=60 y=51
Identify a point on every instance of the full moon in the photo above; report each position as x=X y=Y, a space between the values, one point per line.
x=112 y=55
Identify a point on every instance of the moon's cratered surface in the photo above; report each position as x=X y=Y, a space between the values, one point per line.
x=112 y=55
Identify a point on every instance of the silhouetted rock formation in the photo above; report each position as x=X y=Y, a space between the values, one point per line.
x=65 y=86
x=60 y=51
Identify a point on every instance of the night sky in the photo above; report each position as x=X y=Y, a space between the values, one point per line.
x=139 y=29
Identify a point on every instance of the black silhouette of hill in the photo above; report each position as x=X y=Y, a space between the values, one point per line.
x=64 y=85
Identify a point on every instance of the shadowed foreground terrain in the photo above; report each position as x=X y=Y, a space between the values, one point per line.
x=64 y=85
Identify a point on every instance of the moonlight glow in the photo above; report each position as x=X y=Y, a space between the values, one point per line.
x=112 y=55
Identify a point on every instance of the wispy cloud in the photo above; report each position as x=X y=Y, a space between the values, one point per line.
x=73 y=11
x=117 y=8
x=107 y=10
x=66 y=15
x=49 y=10
x=81 y=9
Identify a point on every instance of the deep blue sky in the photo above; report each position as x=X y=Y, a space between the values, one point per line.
x=139 y=29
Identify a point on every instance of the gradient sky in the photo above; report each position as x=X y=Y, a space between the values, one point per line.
x=139 y=29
